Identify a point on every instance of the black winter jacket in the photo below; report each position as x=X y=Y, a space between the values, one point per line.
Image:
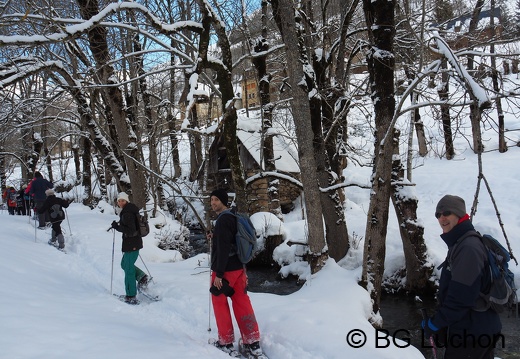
x=54 y=206
x=223 y=257
x=128 y=225
x=462 y=280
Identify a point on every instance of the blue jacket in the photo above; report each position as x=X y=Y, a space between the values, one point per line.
x=462 y=278
x=38 y=187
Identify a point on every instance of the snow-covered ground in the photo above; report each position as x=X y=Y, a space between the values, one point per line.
x=57 y=305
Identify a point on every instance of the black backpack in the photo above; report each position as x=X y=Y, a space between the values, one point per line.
x=143 y=226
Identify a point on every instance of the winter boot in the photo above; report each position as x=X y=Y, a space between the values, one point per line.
x=142 y=284
x=131 y=300
x=61 y=241
x=226 y=348
x=251 y=351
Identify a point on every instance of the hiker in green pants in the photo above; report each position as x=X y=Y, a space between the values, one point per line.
x=132 y=243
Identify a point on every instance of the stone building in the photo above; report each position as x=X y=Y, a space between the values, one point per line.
x=219 y=172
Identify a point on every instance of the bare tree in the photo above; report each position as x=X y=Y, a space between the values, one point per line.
x=284 y=14
x=379 y=17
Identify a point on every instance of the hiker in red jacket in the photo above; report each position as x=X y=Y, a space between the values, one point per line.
x=9 y=195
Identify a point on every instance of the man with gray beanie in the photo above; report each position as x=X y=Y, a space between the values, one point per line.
x=462 y=324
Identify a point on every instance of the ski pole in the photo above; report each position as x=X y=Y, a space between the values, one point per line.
x=149 y=274
x=112 y=271
x=432 y=342
x=67 y=216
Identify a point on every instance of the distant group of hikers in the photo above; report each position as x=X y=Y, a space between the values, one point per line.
x=18 y=202
x=39 y=197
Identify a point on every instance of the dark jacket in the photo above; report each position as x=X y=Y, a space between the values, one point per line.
x=222 y=246
x=54 y=206
x=128 y=225
x=38 y=187
x=463 y=277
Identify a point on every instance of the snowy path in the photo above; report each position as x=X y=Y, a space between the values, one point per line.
x=58 y=305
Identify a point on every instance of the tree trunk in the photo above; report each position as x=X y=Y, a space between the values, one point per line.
x=502 y=145
x=475 y=114
x=229 y=115
x=126 y=137
x=171 y=120
x=196 y=158
x=261 y=46
x=379 y=16
x=444 y=91
x=418 y=272
x=284 y=14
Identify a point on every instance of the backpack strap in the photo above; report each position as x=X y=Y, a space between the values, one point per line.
x=447 y=261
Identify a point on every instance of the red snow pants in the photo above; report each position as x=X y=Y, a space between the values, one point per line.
x=242 y=310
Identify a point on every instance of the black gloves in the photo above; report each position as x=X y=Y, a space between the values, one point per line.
x=226 y=289
x=115 y=225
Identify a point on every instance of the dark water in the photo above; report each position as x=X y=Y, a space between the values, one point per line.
x=267 y=280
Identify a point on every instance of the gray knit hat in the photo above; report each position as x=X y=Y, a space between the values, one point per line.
x=49 y=192
x=453 y=204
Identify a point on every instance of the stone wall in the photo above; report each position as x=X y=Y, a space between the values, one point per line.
x=258 y=196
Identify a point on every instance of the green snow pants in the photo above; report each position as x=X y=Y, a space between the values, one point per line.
x=132 y=272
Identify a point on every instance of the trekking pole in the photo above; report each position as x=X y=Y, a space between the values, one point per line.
x=112 y=271
x=432 y=342
x=149 y=274
x=67 y=216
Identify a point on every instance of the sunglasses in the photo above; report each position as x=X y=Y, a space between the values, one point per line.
x=445 y=214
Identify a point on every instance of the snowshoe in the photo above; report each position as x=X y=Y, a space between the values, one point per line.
x=126 y=299
x=142 y=284
x=142 y=288
x=227 y=348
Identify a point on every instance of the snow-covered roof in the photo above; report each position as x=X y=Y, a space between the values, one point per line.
x=248 y=132
x=284 y=153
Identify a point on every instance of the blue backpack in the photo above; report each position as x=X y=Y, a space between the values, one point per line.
x=501 y=292
x=245 y=238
